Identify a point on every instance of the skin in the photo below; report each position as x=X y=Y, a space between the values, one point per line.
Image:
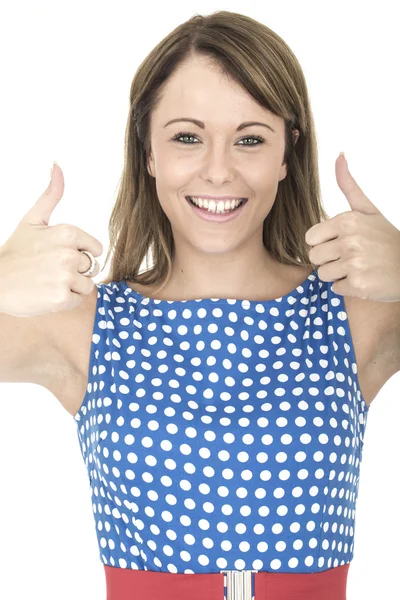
x=217 y=260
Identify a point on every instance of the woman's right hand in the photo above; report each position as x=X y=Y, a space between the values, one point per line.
x=41 y=265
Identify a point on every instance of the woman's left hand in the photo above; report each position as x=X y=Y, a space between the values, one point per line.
x=359 y=249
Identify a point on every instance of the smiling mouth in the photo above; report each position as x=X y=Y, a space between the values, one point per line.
x=216 y=212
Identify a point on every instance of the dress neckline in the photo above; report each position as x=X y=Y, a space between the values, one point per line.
x=215 y=301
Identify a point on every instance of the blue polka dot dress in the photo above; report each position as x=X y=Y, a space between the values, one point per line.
x=223 y=434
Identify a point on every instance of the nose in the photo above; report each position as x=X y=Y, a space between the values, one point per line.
x=218 y=165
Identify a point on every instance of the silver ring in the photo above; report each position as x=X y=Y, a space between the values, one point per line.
x=92 y=267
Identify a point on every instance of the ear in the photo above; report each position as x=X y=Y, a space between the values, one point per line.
x=283 y=173
x=150 y=165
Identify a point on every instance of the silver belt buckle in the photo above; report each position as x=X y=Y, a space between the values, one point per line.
x=238 y=585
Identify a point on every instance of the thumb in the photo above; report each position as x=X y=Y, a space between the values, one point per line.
x=43 y=208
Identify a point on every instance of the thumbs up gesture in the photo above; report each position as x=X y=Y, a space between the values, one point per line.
x=359 y=250
x=41 y=264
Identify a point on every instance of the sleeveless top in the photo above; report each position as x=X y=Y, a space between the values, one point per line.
x=221 y=433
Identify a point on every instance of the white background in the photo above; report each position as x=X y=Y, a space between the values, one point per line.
x=66 y=70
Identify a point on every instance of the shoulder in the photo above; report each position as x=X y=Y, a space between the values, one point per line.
x=78 y=325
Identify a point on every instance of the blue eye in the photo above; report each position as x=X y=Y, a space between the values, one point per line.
x=257 y=138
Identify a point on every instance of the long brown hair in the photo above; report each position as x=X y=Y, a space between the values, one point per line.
x=262 y=63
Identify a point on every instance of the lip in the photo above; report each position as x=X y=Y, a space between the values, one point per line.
x=217 y=218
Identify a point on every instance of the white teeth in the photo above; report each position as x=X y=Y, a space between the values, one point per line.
x=219 y=206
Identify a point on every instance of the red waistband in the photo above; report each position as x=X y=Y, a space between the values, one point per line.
x=130 y=584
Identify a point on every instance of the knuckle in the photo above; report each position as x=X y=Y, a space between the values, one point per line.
x=349 y=222
x=68 y=233
x=61 y=299
x=358 y=282
x=357 y=271
x=353 y=244
x=66 y=282
x=67 y=257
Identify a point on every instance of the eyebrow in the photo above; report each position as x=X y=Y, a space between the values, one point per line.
x=201 y=124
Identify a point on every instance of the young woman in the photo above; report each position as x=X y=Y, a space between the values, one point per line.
x=216 y=393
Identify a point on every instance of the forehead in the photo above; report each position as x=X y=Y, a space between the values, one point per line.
x=198 y=89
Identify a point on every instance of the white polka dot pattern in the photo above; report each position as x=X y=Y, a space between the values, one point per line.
x=223 y=434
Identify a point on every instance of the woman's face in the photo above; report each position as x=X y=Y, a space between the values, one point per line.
x=216 y=159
